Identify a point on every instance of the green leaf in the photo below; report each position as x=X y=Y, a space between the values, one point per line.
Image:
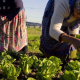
x=31 y=79
x=77 y=36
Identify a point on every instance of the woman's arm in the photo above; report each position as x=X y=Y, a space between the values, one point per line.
x=71 y=40
x=61 y=11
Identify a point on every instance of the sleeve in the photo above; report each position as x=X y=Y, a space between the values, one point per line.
x=18 y=6
x=61 y=11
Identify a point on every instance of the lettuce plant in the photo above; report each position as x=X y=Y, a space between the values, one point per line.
x=7 y=57
x=47 y=68
x=73 y=65
x=31 y=78
x=10 y=72
x=72 y=71
x=26 y=63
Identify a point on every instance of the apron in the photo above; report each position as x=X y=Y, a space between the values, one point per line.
x=16 y=32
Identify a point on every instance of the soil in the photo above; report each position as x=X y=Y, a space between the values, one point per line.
x=22 y=76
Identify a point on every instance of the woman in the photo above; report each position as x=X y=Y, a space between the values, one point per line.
x=13 y=34
x=59 y=26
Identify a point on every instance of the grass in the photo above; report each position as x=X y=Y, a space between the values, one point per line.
x=33 y=39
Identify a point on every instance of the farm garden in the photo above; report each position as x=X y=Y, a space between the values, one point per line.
x=34 y=66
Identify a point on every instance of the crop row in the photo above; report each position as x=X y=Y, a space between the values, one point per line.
x=47 y=68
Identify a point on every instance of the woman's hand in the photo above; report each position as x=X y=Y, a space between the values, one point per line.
x=71 y=40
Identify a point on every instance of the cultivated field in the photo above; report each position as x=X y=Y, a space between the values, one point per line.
x=19 y=66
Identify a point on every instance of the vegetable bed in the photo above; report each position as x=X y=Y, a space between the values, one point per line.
x=19 y=66
x=39 y=68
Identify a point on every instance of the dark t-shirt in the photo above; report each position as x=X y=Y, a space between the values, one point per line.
x=10 y=8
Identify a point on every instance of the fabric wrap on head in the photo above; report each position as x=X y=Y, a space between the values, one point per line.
x=77 y=4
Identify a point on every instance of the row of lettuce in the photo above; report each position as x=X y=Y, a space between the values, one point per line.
x=47 y=68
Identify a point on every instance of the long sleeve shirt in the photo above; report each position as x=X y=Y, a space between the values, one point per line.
x=10 y=8
x=61 y=11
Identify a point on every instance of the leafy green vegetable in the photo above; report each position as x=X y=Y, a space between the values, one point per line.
x=31 y=79
x=14 y=54
x=47 y=68
x=6 y=57
x=73 y=65
x=72 y=71
x=68 y=75
x=77 y=36
x=26 y=63
x=9 y=70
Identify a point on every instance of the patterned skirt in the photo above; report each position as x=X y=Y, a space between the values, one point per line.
x=15 y=37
